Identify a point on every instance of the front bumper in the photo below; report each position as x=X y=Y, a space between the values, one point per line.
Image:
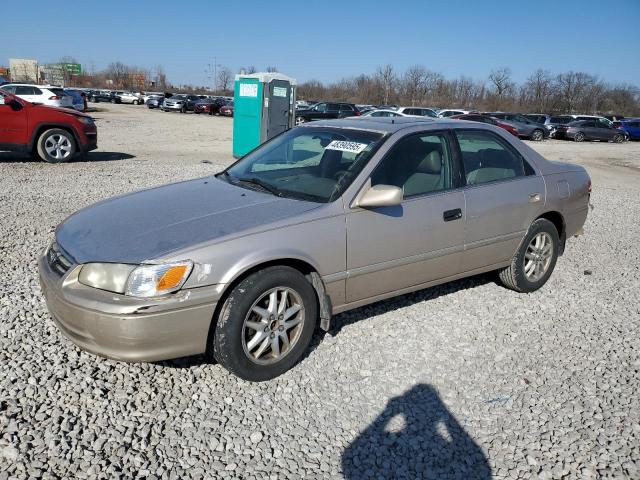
x=126 y=328
x=172 y=107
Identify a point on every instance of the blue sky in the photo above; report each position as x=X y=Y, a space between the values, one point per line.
x=328 y=40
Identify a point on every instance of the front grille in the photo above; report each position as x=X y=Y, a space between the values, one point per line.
x=58 y=261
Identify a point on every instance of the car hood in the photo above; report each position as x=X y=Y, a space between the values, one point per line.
x=151 y=224
x=69 y=111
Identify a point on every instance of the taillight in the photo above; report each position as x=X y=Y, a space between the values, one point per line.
x=589 y=187
x=357 y=113
x=55 y=97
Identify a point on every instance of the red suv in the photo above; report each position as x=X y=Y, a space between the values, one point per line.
x=54 y=134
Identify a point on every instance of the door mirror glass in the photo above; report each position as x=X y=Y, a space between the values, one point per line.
x=381 y=196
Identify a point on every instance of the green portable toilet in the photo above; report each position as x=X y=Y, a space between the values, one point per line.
x=263 y=107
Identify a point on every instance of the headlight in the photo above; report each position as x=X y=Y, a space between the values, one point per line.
x=154 y=280
x=86 y=120
x=106 y=276
x=134 y=280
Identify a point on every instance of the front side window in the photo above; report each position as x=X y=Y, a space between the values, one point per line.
x=486 y=159
x=321 y=107
x=310 y=163
x=419 y=164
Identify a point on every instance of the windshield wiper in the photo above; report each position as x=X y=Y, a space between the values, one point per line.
x=264 y=185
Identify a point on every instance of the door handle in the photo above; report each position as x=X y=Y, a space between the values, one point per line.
x=534 y=197
x=450 y=215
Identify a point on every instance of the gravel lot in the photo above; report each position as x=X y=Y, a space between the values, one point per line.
x=466 y=380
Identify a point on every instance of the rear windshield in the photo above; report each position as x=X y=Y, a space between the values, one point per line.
x=58 y=91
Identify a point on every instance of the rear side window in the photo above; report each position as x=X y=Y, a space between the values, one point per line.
x=332 y=107
x=23 y=90
x=57 y=91
x=487 y=159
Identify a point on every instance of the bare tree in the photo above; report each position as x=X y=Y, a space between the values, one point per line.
x=225 y=78
x=271 y=69
x=537 y=90
x=501 y=80
x=386 y=77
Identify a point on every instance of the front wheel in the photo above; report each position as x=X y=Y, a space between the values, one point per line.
x=56 y=146
x=617 y=138
x=300 y=120
x=534 y=260
x=266 y=324
x=537 y=135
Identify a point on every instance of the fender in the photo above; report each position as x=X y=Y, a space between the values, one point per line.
x=39 y=127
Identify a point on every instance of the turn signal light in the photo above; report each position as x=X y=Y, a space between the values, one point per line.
x=172 y=277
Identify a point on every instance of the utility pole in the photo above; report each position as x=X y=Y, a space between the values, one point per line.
x=212 y=69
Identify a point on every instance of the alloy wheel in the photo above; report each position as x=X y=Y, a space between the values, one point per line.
x=273 y=325
x=538 y=256
x=58 y=146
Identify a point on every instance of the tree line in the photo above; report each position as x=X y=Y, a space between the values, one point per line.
x=542 y=91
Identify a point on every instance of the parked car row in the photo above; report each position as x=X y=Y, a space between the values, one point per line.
x=198 y=104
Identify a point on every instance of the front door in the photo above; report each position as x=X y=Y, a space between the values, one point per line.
x=279 y=107
x=13 y=124
x=421 y=240
x=503 y=195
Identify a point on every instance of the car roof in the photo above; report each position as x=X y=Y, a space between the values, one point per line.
x=383 y=124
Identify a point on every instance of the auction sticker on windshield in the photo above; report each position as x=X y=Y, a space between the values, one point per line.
x=344 y=146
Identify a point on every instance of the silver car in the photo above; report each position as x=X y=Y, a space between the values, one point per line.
x=324 y=218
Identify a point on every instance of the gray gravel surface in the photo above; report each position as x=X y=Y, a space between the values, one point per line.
x=466 y=380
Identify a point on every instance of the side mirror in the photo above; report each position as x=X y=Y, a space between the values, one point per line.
x=13 y=104
x=381 y=196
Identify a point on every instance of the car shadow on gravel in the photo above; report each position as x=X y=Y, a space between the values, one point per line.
x=12 y=157
x=415 y=437
x=341 y=320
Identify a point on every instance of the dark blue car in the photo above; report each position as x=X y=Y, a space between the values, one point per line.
x=631 y=126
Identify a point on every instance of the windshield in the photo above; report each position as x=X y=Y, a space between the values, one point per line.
x=308 y=163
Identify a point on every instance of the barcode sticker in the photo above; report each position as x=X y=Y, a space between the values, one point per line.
x=344 y=146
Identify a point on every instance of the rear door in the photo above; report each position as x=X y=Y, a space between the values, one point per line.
x=503 y=195
x=28 y=93
x=333 y=111
x=590 y=131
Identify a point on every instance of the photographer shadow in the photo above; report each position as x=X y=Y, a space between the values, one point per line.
x=416 y=437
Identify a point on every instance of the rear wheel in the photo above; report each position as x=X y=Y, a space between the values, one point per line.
x=266 y=324
x=535 y=259
x=537 y=135
x=56 y=146
x=300 y=120
x=579 y=137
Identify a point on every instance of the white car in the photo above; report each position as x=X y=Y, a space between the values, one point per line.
x=42 y=94
x=417 y=111
x=128 y=97
x=451 y=112
x=382 y=113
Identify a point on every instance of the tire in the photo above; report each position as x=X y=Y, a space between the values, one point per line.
x=515 y=276
x=233 y=337
x=136 y=102
x=537 y=135
x=578 y=137
x=617 y=138
x=95 y=100
x=300 y=120
x=56 y=146
x=183 y=110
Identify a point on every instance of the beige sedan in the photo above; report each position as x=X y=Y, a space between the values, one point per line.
x=324 y=218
